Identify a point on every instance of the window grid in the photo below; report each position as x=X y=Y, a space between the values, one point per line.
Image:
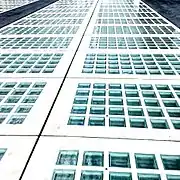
x=118 y=165
x=49 y=21
x=35 y=43
x=136 y=21
x=142 y=64
x=29 y=63
x=40 y=30
x=134 y=43
x=133 y=30
x=126 y=105
x=17 y=100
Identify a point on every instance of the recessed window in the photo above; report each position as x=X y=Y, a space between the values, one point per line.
x=145 y=161
x=117 y=159
x=96 y=121
x=174 y=112
x=98 y=101
x=176 y=124
x=151 y=102
x=93 y=158
x=133 y=102
x=2 y=152
x=120 y=176
x=155 y=112
x=159 y=124
x=116 y=111
x=166 y=95
x=63 y=174
x=171 y=162
x=173 y=177
x=79 y=110
x=76 y=120
x=132 y=94
x=67 y=157
x=146 y=87
x=135 y=112
x=171 y=103
x=149 y=176
x=138 y=122
x=91 y=175
x=80 y=100
x=97 y=110
x=117 y=122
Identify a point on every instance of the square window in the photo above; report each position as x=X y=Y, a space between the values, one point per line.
x=115 y=93
x=130 y=86
x=117 y=159
x=173 y=177
x=132 y=94
x=99 y=93
x=171 y=103
x=174 y=112
x=138 y=122
x=13 y=99
x=116 y=111
x=120 y=176
x=63 y=175
x=146 y=86
x=171 y=162
x=93 y=158
x=162 y=87
x=91 y=175
x=117 y=122
x=82 y=93
x=166 y=95
x=149 y=94
x=67 y=157
x=76 y=120
x=146 y=161
x=30 y=99
x=155 y=112
x=149 y=176
x=159 y=124
x=84 y=85
x=176 y=124
x=80 y=100
x=135 y=112
x=98 y=101
x=133 y=102
x=78 y=110
x=99 y=86
x=16 y=120
x=96 y=121
x=115 y=101
x=23 y=109
x=153 y=103
x=6 y=109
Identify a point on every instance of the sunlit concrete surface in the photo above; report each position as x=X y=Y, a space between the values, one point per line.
x=6 y=5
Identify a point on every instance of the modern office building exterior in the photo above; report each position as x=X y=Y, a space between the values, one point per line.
x=90 y=90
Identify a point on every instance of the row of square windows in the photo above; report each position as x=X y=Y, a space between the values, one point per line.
x=64 y=174
x=118 y=159
x=48 y=22
x=122 y=122
x=131 y=21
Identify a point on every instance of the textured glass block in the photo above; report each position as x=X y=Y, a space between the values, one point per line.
x=159 y=124
x=76 y=120
x=117 y=122
x=64 y=175
x=92 y=158
x=145 y=161
x=171 y=162
x=120 y=176
x=67 y=157
x=149 y=176
x=138 y=122
x=117 y=159
x=91 y=175
x=173 y=177
x=96 y=121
